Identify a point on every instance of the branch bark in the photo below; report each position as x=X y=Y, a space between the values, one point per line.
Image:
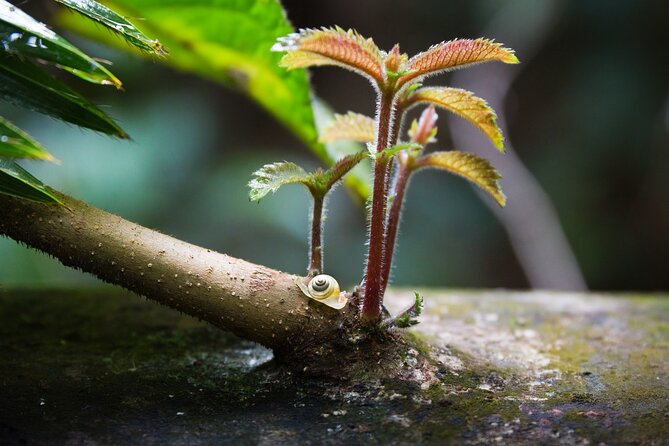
x=252 y=301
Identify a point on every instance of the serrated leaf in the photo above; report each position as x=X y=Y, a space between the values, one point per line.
x=116 y=23
x=16 y=181
x=464 y=104
x=474 y=168
x=352 y=127
x=454 y=54
x=15 y=143
x=24 y=36
x=229 y=41
x=359 y=180
x=342 y=167
x=332 y=46
x=395 y=61
x=24 y=84
x=271 y=177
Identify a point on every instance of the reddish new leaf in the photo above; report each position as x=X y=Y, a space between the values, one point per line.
x=454 y=54
x=424 y=131
x=332 y=46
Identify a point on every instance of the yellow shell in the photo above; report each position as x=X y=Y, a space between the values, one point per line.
x=324 y=289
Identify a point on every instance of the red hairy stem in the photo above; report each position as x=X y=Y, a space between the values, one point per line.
x=316 y=260
x=403 y=173
x=389 y=241
x=371 y=307
x=393 y=136
x=422 y=136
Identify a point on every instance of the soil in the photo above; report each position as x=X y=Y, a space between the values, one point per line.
x=106 y=367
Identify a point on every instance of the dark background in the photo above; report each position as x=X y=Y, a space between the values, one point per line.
x=587 y=112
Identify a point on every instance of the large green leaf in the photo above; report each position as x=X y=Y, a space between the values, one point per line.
x=15 y=143
x=26 y=85
x=24 y=36
x=16 y=181
x=116 y=24
x=230 y=41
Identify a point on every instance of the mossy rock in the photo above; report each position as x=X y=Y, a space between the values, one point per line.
x=106 y=367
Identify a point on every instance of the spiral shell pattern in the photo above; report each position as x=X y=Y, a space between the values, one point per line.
x=324 y=289
x=323 y=286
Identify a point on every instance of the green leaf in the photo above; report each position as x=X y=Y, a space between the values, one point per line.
x=392 y=151
x=24 y=84
x=360 y=178
x=24 y=36
x=407 y=318
x=467 y=165
x=271 y=177
x=15 y=181
x=116 y=23
x=342 y=167
x=229 y=41
x=15 y=143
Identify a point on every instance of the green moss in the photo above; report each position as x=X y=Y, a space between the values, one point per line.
x=111 y=368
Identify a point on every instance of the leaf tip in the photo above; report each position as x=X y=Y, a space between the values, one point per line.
x=501 y=199
x=511 y=57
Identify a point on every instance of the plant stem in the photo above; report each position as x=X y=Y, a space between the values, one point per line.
x=371 y=307
x=401 y=181
x=393 y=136
x=316 y=260
x=399 y=186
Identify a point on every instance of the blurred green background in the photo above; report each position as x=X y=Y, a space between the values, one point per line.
x=587 y=112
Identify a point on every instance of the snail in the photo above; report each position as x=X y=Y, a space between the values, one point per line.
x=324 y=289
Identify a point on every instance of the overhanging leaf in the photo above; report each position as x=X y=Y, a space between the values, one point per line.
x=16 y=181
x=464 y=104
x=15 y=143
x=22 y=35
x=116 y=23
x=229 y=41
x=352 y=127
x=454 y=54
x=332 y=46
x=271 y=177
x=474 y=168
x=26 y=85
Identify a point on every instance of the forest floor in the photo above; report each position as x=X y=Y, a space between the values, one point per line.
x=106 y=367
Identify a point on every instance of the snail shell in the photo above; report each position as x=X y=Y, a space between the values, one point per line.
x=324 y=289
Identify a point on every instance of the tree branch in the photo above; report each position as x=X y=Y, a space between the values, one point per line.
x=252 y=301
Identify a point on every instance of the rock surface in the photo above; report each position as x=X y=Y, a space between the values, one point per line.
x=106 y=367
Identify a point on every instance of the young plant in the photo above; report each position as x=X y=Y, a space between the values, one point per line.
x=396 y=79
x=271 y=177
